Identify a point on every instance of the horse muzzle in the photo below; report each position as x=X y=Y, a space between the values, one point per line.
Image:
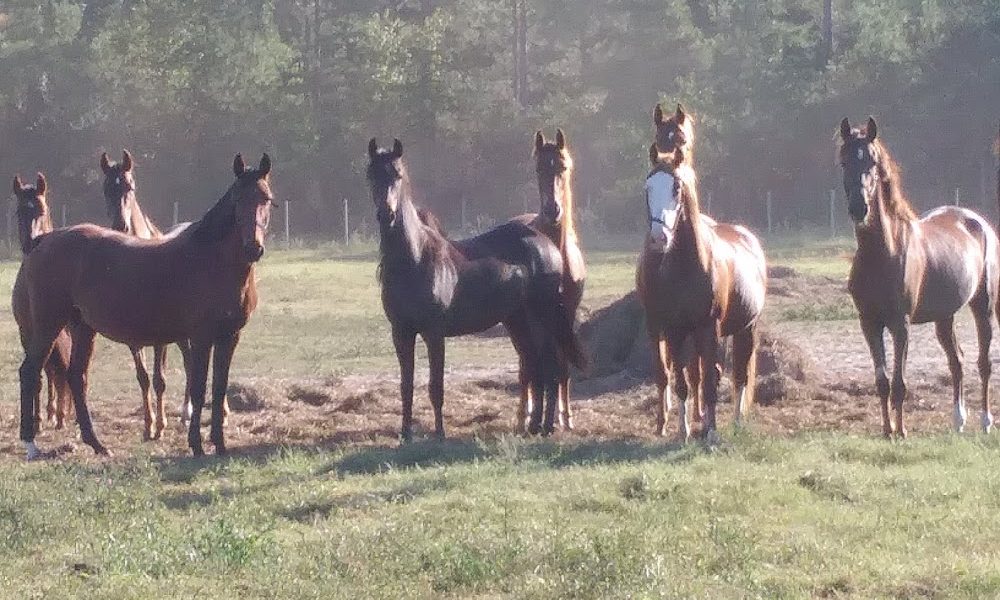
x=858 y=210
x=254 y=251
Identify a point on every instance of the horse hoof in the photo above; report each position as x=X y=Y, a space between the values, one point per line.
x=220 y=450
x=32 y=451
x=569 y=424
x=101 y=451
x=712 y=438
x=197 y=451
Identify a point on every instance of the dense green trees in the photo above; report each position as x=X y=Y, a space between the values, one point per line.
x=184 y=84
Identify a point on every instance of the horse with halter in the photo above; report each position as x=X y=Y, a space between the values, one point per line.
x=197 y=285
x=34 y=221
x=128 y=217
x=698 y=281
x=554 y=170
x=914 y=270
x=440 y=288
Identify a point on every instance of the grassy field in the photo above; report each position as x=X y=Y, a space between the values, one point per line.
x=810 y=515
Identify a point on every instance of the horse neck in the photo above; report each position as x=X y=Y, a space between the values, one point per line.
x=403 y=244
x=141 y=225
x=567 y=225
x=40 y=225
x=891 y=220
x=688 y=234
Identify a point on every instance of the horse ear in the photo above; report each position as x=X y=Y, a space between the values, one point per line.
x=397 y=148
x=17 y=184
x=658 y=114
x=539 y=141
x=654 y=154
x=105 y=163
x=40 y=184
x=680 y=114
x=871 y=130
x=126 y=160
x=265 y=165
x=239 y=167
x=845 y=129
x=372 y=148
x=560 y=139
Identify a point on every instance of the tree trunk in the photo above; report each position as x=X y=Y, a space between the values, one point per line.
x=826 y=47
x=519 y=27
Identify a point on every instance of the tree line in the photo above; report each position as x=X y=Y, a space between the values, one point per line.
x=184 y=84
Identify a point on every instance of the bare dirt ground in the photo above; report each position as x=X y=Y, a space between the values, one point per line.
x=817 y=376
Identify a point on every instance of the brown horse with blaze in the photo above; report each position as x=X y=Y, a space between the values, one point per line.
x=698 y=281
x=198 y=285
x=914 y=270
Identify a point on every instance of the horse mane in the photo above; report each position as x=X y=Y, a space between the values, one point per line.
x=893 y=199
x=569 y=216
x=217 y=222
x=689 y=217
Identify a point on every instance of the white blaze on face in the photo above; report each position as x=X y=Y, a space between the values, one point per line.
x=662 y=205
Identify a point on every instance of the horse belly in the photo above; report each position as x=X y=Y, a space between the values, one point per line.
x=746 y=299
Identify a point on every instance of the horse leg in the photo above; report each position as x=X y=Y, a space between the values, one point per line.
x=661 y=374
x=520 y=338
x=708 y=351
x=744 y=357
x=159 y=387
x=873 y=332
x=50 y=406
x=36 y=354
x=681 y=390
x=201 y=351
x=897 y=391
x=79 y=366
x=945 y=330
x=142 y=376
x=565 y=411
x=694 y=377
x=435 y=359
x=221 y=360
x=185 y=348
x=550 y=375
x=404 y=340
x=984 y=331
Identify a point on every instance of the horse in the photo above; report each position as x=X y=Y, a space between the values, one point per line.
x=196 y=285
x=126 y=215
x=34 y=221
x=440 y=288
x=675 y=132
x=554 y=170
x=699 y=281
x=910 y=270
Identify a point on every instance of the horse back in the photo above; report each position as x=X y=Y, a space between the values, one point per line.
x=740 y=275
x=951 y=256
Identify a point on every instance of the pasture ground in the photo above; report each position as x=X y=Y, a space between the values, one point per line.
x=318 y=500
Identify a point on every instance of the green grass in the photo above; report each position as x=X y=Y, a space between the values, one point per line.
x=808 y=516
x=811 y=516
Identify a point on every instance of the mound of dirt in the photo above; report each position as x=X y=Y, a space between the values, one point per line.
x=245 y=397
x=619 y=348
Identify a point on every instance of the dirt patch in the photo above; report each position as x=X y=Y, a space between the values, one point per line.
x=312 y=396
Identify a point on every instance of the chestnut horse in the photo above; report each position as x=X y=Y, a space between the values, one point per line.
x=914 y=270
x=127 y=216
x=554 y=169
x=675 y=132
x=33 y=221
x=699 y=281
x=440 y=288
x=197 y=285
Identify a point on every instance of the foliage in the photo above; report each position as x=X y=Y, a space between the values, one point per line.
x=186 y=84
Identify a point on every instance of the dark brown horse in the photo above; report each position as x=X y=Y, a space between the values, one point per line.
x=438 y=288
x=914 y=270
x=33 y=221
x=127 y=216
x=698 y=281
x=197 y=285
x=554 y=169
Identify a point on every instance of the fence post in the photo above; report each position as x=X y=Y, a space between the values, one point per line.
x=288 y=226
x=833 y=213
x=176 y=212
x=464 y=207
x=770 y=224
x=10 y=223
x=958 y=196
x=347 y=225
x=708 y=203
x=63 y=215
